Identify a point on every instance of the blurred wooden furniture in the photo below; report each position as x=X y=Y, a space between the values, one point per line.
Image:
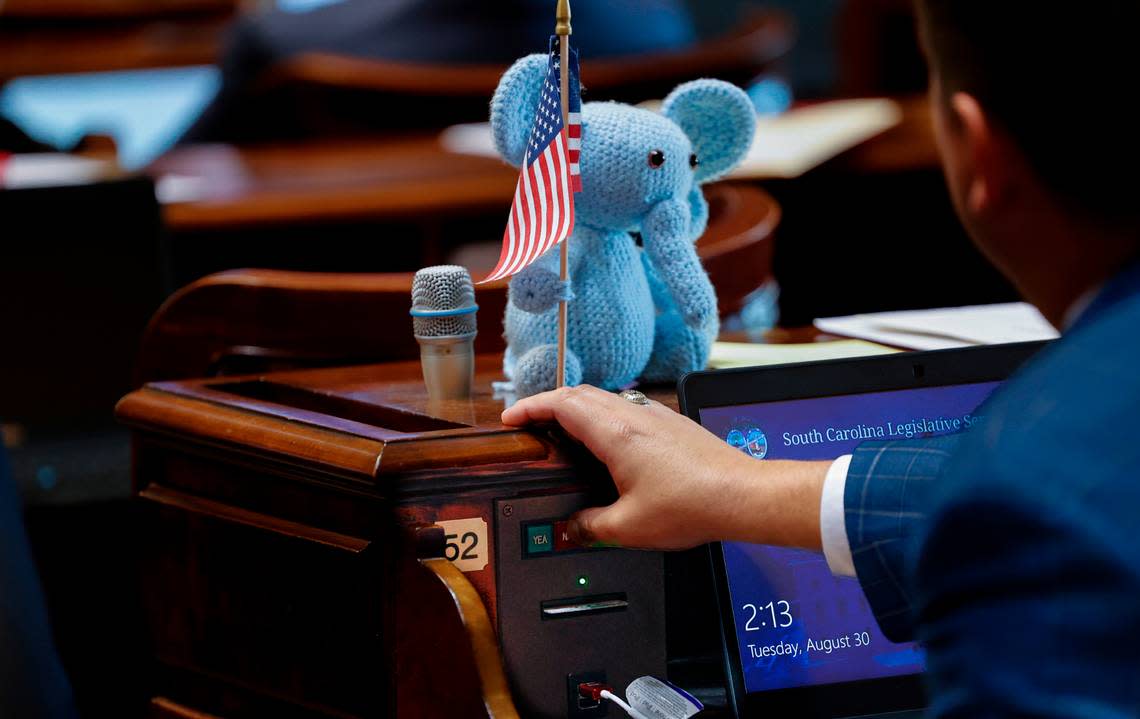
x=45 y=37
x=329 y=205
x=396 y=178
x=878 y=49
x=101 y=9
x=268 y=206
x=285 y=517
x=330 y=181
x=739 y=55
x=736 y=249
x=260 y=320
x=873 y=229
x=325 y=95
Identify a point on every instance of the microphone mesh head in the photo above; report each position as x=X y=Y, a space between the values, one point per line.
x=442 y=288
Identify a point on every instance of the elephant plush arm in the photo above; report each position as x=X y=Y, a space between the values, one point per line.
x=668 y=238
x=539 y=288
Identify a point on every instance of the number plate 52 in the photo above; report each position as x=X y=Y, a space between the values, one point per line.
x=466 y=543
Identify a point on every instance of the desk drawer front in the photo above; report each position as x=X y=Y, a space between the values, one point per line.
x=270 y=608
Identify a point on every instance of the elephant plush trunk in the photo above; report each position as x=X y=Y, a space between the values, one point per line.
x=667 y=233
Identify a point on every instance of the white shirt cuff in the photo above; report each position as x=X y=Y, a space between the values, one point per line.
x=833 y=520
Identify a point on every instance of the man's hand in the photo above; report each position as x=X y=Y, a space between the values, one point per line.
x=680 y=486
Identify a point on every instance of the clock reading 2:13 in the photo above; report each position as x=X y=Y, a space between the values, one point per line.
x=780 y=613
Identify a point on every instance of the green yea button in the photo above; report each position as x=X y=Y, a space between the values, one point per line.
x=539 y=538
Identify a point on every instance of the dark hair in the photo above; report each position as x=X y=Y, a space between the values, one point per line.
x=1060 y=78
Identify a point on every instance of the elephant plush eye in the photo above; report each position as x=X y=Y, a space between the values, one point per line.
x=656 y=158
x=693 y=161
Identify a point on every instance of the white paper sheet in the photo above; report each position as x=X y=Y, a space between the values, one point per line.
x=790 y=144
x=52 y=169
x=786 y=145
x=744 y=354
x=945 y=328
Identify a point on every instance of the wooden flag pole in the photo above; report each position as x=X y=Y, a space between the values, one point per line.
x=562 y=30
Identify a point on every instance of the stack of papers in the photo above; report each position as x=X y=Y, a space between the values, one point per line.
x=743 y=354
x=946 y=328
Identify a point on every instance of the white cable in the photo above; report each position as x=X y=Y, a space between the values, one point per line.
x=607 y=694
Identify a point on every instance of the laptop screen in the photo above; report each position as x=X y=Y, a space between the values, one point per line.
x=797 y=624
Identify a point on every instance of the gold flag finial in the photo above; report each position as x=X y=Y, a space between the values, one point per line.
x=562 y=16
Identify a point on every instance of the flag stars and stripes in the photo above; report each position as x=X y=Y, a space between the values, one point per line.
x=542 y=214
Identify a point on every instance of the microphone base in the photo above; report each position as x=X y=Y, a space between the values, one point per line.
x=448 y=366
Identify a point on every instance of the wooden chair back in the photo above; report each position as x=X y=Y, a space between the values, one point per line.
x=244 y=321
x=324 y=93
x=739 y=54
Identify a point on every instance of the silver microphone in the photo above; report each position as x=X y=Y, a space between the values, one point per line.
x=443 y=318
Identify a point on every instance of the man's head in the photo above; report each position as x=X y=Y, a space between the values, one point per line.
x=1033 y=116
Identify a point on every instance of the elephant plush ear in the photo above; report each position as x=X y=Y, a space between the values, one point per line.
x=719 y=120
x=514 y=105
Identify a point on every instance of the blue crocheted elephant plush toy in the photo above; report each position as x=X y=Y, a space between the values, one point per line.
x=638 y=313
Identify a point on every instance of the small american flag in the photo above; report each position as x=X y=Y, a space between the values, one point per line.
x=542 y=214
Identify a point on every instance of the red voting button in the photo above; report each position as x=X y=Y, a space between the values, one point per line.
x=562 y=540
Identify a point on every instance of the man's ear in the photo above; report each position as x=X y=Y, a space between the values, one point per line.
x=987 y=156
x=514 y=105
x=719 y=120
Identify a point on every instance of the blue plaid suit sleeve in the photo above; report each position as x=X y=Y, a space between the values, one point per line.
x=888 y=491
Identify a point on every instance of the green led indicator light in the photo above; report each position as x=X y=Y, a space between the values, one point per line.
x=583 y=581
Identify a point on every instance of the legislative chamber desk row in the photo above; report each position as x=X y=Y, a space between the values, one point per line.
x=329 y=542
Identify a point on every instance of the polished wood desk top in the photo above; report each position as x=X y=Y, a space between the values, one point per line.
x=364 y=422
x=361 y=423
x=414 y=175
x=375 y=178
x=47 y=37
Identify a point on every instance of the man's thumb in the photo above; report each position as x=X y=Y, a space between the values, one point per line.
x=593 y=527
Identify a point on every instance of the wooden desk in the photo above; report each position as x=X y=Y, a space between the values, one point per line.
x=276 y=547
x=347 y=456
x=384 y=178
x=414 y=175
x=396 y=205
x=379 y=205
x=47 y=37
